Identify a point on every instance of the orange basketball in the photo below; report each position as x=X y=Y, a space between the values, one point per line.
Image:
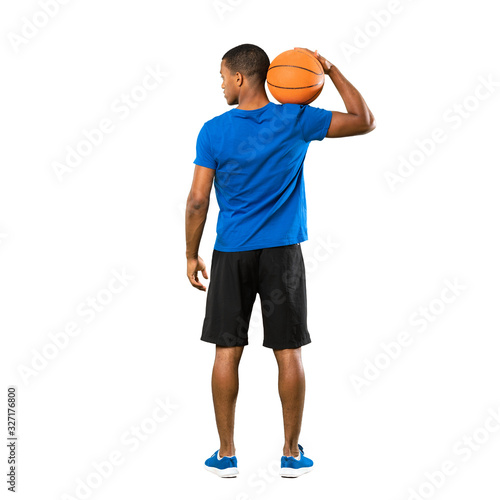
x=295 y=77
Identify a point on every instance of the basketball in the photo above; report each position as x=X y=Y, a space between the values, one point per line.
x=295 y=77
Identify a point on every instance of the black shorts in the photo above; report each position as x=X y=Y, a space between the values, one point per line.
x=278 y=275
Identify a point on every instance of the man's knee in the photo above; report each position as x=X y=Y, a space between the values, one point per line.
x=287 y=354
x=229 y=354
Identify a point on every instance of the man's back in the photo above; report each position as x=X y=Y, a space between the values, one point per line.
x=259 y=156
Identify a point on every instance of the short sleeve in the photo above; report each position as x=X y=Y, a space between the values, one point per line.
x=314 y=122
x=204 y=156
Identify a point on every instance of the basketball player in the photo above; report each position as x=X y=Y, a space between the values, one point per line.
x=254 y=153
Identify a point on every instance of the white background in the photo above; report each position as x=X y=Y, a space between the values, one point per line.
x=122 y=209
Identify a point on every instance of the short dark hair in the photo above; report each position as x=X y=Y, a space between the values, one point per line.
x=249 y=60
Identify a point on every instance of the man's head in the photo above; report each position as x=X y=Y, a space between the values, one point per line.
x=243 y=67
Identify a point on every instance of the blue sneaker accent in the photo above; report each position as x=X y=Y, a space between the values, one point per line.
x=294 y=467
x=225 y=467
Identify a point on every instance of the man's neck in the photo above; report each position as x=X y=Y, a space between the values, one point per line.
x=253 y=102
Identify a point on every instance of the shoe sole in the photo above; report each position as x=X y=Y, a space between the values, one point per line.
x=289 y=472
x=229 y=472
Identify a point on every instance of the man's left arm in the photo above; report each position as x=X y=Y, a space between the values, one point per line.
x=196 y=214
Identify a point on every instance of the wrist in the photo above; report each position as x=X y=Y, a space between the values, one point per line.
x=329 y=72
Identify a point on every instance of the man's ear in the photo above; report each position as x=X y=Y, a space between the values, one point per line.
x=239 y=79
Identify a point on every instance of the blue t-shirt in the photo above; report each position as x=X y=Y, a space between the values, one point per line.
x=258 y=157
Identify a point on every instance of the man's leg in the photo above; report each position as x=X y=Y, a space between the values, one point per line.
x=225 y=392
x=292 y=388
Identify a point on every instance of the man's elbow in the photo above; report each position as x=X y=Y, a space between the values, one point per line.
x=368 y=125
x=195 y=204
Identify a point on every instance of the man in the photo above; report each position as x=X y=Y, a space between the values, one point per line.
x=255 y=152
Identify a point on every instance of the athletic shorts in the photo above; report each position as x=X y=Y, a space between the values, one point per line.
x=278 y=275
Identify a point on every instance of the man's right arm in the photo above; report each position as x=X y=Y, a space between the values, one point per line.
x=359 y=119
